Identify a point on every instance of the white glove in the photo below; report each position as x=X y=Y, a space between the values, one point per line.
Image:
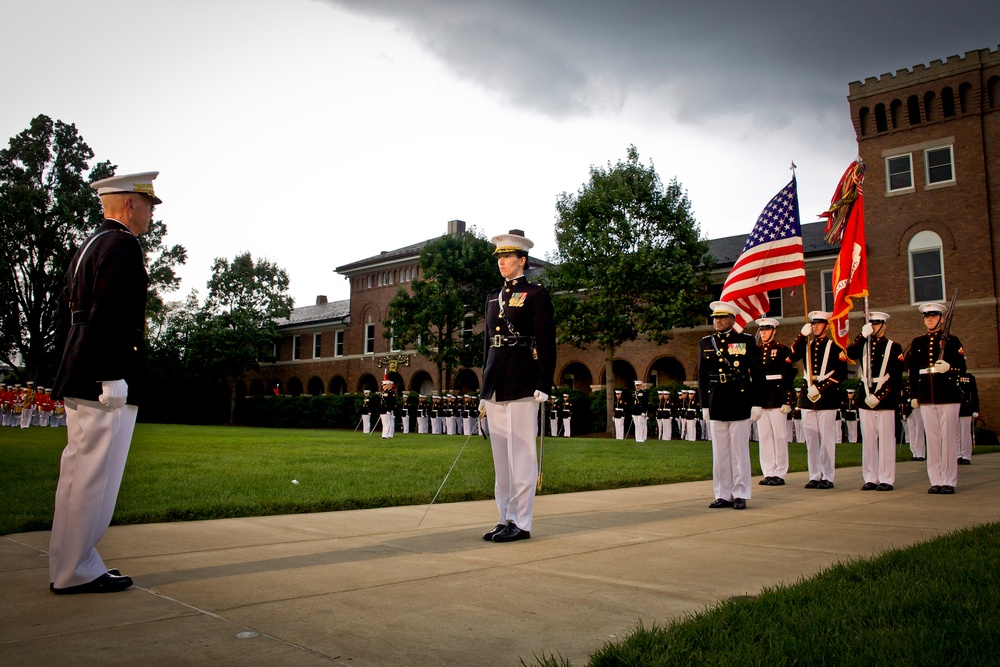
x=914 y=403
x=806 y=329
x=704 y=414
x=785 y=409
x=941 y=366
x=114 y=394
x=871 y=400
x=756 y=412
x=867 y=329
x=482 y=407
x=813 y=393
x=975 y=414
x=540 y=397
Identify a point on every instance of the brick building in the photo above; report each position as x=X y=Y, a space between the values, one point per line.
x=930 y=137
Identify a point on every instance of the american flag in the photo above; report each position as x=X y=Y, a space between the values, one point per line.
x=771 y=259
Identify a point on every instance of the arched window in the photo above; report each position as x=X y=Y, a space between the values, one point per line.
x=965 y=97
x=894 y=113
x=948 y=102
x=926 y=267
x=929 y=101
x=913 y=109
x=881 y=125
x=864 y=120
x=993 y=91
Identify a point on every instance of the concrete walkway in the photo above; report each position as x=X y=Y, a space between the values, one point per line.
x=368 y=587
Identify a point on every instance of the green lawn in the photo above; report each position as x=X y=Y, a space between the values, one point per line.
x=201 y=472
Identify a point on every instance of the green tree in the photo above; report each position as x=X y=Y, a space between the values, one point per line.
x=47 y=209
x=437 y=313
x=237 y=327
x=629 y=261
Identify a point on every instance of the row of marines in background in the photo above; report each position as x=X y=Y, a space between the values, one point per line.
x=27 y=406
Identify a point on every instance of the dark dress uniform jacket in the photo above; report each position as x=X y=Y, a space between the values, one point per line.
x=970 y=395
x=830 y=396
x=888 y=394
x=520 y=342
x=730 y=378
x=102 y=316
x=936 y=387
x=779 y=374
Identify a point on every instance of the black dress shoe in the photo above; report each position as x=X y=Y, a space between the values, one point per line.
x=919 y=458
x=739 y=504
x=948 y=490
x=719 y=502
x=812 y=484
x=511 y=533
x=106 y=583
x=113 y=571
x=825 y=484
x=884 y=487
x=776 y=481
x=765 y=482
x=934 y=490
x=489 y=536
x=869 y=486
x=964 y=462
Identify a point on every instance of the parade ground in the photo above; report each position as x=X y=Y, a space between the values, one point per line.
x=371 y=587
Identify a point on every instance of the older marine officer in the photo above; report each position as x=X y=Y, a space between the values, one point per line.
x=102 y=321
x=730 y=382
x=519 y=362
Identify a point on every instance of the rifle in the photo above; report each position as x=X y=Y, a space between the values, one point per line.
x=946 y=329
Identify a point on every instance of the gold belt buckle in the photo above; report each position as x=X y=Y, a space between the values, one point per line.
x=497 y=340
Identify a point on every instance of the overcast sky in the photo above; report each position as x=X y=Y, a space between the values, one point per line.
x=319 y=132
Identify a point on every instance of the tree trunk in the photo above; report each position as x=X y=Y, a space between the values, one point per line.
x=609 y=387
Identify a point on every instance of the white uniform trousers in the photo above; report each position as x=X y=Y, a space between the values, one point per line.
x=469 y=425
x=773 y=427
x=366 y=423
x=26 y=417
x=690 y=429
x=513 y=427
x=406 y=423
x=554 y=426
x=965 y=437
x=388 y=425
x=820 y=427
x=838 y=431
x=915 y=434
x=852 y=431
x=878 y=446
x=43 y=417
x=566 y=427
x=423 y=424
x=90 y=473
x=731 y=459
x=619 y=428
x=797 y=435
x=449 y=424
x=639 y=422
x=941 y=428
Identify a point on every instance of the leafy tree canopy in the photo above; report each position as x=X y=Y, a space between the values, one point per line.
x=437 y=313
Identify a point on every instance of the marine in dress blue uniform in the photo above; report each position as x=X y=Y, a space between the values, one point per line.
x=519 y=363
x=102 y=323
x=826 y=369
x=881 y=375
x=730 y=383
x=936 y=361
x=779 y=374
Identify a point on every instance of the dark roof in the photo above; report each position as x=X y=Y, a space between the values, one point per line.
x=385 y=255
x=725 y=251
x=321 y=313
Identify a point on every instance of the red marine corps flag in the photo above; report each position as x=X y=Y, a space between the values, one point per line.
x=771 y=259
x=845 y=224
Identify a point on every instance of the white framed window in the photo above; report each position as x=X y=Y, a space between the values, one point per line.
x=826 y=283
x=317 y=346
x=370 y=338
x=277 y=349
x=899 y=173
x=296 y=347
x=939 y=165
x=774 y=304
x=392 y=338
x=338 y=343
x=926 y=263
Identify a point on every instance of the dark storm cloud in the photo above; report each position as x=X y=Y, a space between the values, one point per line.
x=771 y=61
